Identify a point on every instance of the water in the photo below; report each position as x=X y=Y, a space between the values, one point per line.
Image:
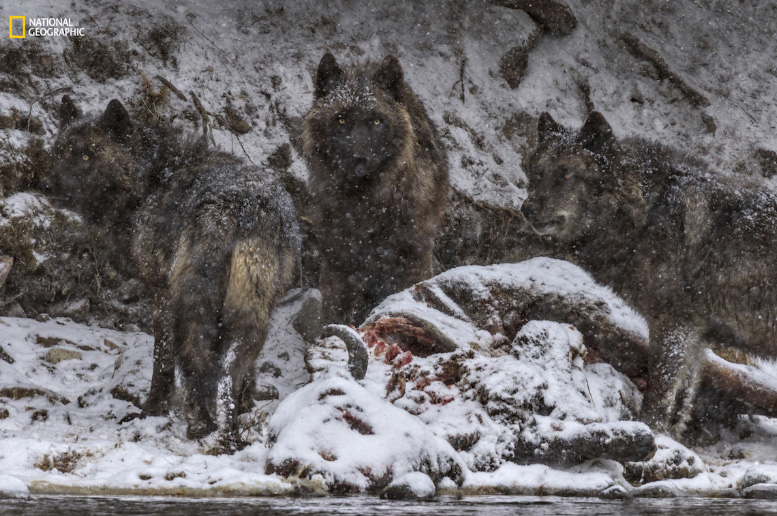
x=444 y=506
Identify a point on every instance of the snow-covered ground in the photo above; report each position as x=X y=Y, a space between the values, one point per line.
x=64 y=387
x=455 y=420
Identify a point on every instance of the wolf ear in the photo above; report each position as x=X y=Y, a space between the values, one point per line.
x=68 y=112
x=389 y=76
x=547 y=128
x=596 y=134
x=116 y=120
x=327 y=75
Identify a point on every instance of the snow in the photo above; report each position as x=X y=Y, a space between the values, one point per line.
x=524 y=480
x=12 y=487
x=63 y=432
x=349 y=435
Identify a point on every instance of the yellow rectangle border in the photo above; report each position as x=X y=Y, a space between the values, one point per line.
x=10 y=27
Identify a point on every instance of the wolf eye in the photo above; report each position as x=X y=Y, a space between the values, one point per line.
x=85 y=156
x=377 y=121
x=567 y=175
x=340 y=119
x=59 y=155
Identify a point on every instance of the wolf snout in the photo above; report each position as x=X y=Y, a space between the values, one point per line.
x=360 y=166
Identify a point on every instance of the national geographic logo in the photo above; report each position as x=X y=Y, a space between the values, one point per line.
x=21 y=26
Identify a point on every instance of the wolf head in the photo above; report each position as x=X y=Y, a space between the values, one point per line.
x=358 y=125
x=94 y=169
x=577 y=182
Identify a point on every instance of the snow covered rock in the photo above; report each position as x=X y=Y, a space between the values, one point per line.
x=12 y=487
x=672 y=460
x=761 y=491
x=411 y=486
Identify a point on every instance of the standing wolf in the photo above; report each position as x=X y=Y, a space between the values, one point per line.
x=214 y=240
x=695 y=253
x=379 y=178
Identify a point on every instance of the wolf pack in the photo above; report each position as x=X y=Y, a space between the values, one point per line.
x=217 y=242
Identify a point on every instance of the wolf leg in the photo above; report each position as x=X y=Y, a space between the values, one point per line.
x=197 y=287
x=675 y=358
x=258 y=274
x=163 y=377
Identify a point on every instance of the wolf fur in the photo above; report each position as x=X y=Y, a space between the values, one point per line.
x=696 y=253
x=214 y=240
x=379 y=179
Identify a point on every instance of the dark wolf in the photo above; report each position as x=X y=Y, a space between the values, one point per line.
x=379 y=178
x=694 y=252
x=215 y=242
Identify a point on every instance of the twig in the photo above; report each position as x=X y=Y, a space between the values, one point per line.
x=206 y=124
x=49 y=94
x=244 y=149
x=461 y=79
x=746 y=112
x=642 y=51
x=171 y=87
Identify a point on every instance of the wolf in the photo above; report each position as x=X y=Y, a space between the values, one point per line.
x=215 y=242
x=694 y=252
x=379 y=180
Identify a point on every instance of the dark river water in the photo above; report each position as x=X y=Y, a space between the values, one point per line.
x=482 y=505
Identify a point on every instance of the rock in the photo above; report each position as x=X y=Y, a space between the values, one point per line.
x=657 y=490
x=18 y=393
x=766 y=159
x=121 y=393
x=761 y=492
x=12 y=487
x=308 y=319
x=4 y=356
x=75 y=309
x=758 y=474
x=50 y=342
x=4 y=413
x=265 y=392
x=57 y=355
x=15 y=310
x=574 y=443
x=671 y=461
x=614 y=493
x=40 y=415
x=512 y=66
x=709 y=123
x=412 y=486
x=552 y=16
